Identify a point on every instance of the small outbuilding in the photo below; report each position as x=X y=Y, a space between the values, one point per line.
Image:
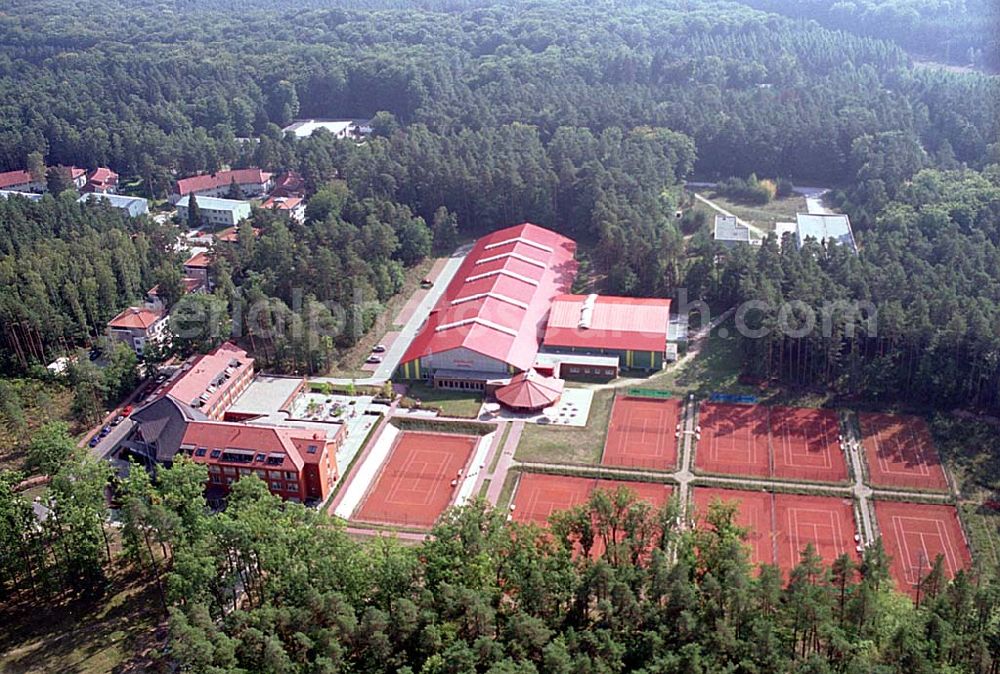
x=529 y=391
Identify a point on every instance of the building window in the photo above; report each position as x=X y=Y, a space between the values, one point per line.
x=216 y=479
x=260 y=458
x=292 y=486
x=276 y=486
x=574 y=370
x=216 y=453
x=262 y=474
x=229 y=480
x=275 y=474
x=229 y=470
x=289 y=475
x=214 y=469
x=244 y=471
x=311 y=449
x=201 y=451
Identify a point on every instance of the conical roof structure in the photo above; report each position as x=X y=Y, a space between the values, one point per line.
x=530 y=391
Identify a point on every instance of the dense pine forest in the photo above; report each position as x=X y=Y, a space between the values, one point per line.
x=584 y=117
x=566 y=115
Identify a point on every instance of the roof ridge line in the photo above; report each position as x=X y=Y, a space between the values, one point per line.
x=497 y=296
x=478 y=321
x=519 y=239
x=504 y=272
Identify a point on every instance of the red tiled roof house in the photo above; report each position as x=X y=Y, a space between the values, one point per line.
x=137 y=326
x=253 y=182
x=21 y=181
x=102 y=180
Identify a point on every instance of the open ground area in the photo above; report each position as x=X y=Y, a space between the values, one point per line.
x=915 y=534
x=550 y=443
x=901 y=453
x=415 y=484
x=642 y=433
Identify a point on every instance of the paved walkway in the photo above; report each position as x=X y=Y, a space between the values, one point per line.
x=711 y=204
x=499 y=475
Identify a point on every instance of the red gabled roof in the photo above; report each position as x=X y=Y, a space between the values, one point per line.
x=281 y=203
x=206 y=370
x=11 y=178
x=498 y=300
x=625 y=323
x=102 y=177
x=135 y=318
x=291 y=443
x=198 y=260
x=289 y=184
x=249 y=176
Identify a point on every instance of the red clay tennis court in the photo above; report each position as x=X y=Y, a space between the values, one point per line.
x=806 y=445
x=825 y=521
x=538 y=495
x=901 y=453
x=642 y=433
x=753 y=514
x=414 y=485
x=781 y=525
x=733 y=440
x=915 y=534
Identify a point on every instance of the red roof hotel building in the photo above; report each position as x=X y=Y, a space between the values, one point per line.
x=296 y=464
x=489 y=321
x=213 y=381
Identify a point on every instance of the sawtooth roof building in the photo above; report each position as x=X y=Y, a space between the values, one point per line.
x=489 y=321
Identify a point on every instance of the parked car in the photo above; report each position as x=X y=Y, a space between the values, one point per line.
x=127 y=410
x=374 y=359
x=378 y=348
x=105 y=431
x=427 y=283
x=93 y=441
x=117 y=420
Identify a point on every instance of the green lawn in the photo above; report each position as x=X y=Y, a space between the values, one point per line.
x=553 y=444
x=463 y=404
x=764 y=217
x=716 y=369
x=983 y=526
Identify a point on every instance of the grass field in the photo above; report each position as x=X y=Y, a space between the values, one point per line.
x=540 y=443
x=983 y=528
x=463 y=404
x=764 y=217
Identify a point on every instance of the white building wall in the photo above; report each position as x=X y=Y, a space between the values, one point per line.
x=462 y=359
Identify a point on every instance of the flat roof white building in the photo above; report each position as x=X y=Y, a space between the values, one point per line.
x=834 y=227
x=341 y=128
x=216 y=212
